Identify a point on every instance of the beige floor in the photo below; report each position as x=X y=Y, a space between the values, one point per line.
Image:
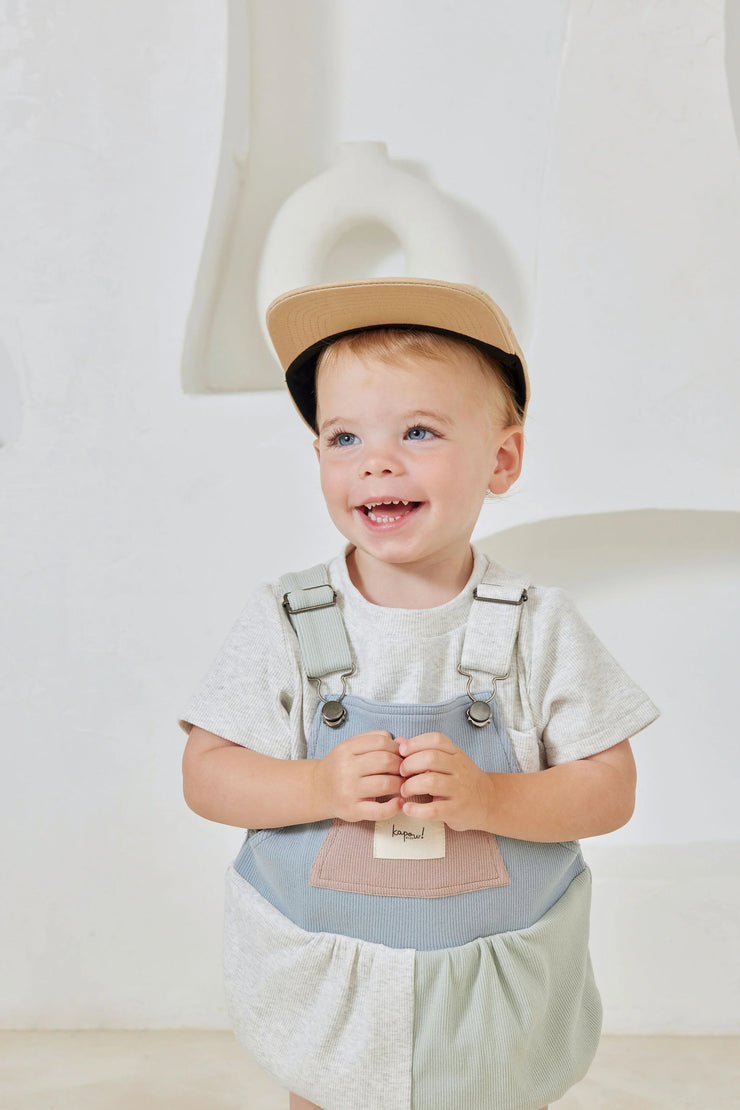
x=196 y=1070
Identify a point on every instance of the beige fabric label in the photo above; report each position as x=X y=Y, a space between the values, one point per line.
x=403 y=837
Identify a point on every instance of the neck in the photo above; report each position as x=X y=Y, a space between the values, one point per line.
x=396 y=586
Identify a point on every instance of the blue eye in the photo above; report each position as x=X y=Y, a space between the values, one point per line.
x=343 y=439
x=418 y=433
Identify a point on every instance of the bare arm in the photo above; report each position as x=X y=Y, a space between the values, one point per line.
x=587 y=797
x=233 y=785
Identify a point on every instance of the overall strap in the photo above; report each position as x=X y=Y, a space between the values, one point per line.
x=311 y=604
x=493 y=624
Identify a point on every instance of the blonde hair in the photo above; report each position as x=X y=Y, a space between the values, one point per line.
x=394 y=344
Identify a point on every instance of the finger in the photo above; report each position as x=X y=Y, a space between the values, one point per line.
x=426 y=741
x=379 y=811
x=375 y=741
x=430 y=782
x=425 y=761
x=376 y=786
x=425 y=811
x=378 y=763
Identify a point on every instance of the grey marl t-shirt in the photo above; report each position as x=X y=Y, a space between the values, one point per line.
x=565 y=698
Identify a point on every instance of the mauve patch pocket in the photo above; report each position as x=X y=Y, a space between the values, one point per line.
x=472 y=861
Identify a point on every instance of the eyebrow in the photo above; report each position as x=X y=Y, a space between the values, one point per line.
x=414 y=417
x=432 y=416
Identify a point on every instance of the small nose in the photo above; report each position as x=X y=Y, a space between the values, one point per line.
x=380 y=460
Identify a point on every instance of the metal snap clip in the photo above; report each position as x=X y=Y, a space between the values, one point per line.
x=479 y=712
x=333 y=712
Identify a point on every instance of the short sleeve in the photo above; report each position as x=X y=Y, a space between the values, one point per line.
x=252 y=693
x=582 y=701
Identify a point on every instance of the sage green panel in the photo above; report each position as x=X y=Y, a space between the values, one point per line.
x=511 y=1021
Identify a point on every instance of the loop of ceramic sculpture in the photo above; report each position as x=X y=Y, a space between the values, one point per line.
x=362 y=186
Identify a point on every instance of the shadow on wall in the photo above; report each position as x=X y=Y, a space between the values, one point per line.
x=662 y=590
x=581 y=552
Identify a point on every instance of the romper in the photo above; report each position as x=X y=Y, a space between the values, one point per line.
x=403 y=965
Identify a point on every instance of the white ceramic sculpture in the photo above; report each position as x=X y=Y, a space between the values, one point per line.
x=362 y=186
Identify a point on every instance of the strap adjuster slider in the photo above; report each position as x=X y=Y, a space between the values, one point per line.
x=501 y=600
x=308 y=608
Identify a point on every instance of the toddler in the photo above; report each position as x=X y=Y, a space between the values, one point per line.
x=414 y=737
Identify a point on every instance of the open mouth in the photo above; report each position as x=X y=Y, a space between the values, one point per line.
x=388 y=512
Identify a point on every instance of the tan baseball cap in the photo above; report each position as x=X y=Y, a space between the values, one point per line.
x=303 y=321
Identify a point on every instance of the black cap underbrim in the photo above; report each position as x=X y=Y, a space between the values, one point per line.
x=300 y=377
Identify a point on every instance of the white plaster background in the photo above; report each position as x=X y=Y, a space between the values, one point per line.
x=591 y=150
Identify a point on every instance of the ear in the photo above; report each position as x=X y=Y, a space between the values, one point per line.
x=508 y=463
x=317 y=449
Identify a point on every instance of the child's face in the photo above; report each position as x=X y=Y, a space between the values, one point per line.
x=407 y=453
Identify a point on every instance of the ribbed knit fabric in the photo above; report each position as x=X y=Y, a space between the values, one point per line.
x=508 y=1022
x=472 y=861
x=310 y=605
x=565 y=698
x=503 y=1023
x=330 y=1017
x=390 y=999
x=278 y=862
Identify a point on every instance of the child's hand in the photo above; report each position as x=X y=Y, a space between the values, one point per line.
x=461 y=791
x=358 y=771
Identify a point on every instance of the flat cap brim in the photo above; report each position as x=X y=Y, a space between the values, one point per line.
x=303 y=321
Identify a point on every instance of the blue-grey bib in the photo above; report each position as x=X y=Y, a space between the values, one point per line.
x=325 y=876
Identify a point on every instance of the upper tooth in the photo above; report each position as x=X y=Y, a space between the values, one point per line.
x=374 y=504
x=370 y=505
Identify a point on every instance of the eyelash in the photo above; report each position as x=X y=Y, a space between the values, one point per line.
x=422 y=428
x=334 y=439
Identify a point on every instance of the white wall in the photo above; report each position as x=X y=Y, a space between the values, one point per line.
x=663 y=591
x=134 y=519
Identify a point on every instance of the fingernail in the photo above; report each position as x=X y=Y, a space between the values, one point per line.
x=402 y=747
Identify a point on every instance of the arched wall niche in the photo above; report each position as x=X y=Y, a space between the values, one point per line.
x=662 y=590
x=278 y=131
